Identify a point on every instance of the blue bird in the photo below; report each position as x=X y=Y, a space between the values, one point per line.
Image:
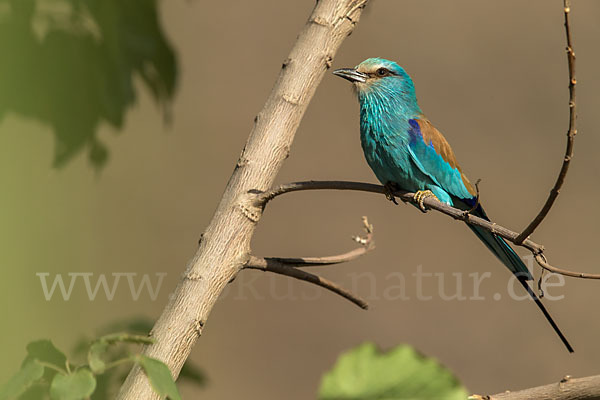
x=405 y=151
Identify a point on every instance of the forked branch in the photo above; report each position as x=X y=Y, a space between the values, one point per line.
x=289 y=266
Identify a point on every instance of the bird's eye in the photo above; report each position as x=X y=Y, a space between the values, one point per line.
x=382 y=72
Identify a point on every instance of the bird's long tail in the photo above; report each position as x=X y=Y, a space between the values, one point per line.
x=513 y=262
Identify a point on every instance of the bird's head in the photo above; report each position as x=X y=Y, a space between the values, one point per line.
x=378 y=79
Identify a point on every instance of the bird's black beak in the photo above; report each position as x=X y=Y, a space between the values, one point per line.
x=351 y=74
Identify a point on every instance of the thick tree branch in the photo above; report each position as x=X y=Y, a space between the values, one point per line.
x=225 y=246
x=262 y=198
x=568 y=388
x=570 y=134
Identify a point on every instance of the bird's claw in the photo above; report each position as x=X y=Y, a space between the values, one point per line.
x=391 y=198
x=390 y=188
x=420 y=196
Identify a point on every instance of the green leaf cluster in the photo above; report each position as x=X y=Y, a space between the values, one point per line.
x=74 y=65
x=46 y=373
x=365 y=373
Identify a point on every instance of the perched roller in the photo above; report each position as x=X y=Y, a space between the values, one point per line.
x=405 y=151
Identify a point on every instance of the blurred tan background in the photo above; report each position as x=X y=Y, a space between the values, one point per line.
x=492 y=77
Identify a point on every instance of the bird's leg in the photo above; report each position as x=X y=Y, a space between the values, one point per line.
x=390 y=188
x=421 y=195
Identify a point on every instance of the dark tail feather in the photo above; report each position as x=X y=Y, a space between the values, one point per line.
x=538 y=302
x=503 y=251
x=513 y=262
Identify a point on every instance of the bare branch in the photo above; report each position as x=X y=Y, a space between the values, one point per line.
x=542 y=262
x=568 y=388
x=273 y=265
x=570 y=134
x=432 y=203
x=321 y=261
x=288 y=266
x=366 y=242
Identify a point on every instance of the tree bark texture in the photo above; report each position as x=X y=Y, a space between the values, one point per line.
x=225 y=245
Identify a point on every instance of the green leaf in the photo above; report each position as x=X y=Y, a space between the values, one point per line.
x=160 y=377
x=92 y=50
x=401 y=373
x=97 y=365
x=76 y=386
x=26 y=376
x=46 y=352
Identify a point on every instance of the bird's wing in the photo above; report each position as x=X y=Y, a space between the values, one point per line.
x=433 y=155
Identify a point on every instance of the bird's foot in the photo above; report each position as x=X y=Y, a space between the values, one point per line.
x=421 y=195
x=390 y=188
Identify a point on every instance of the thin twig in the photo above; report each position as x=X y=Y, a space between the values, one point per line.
x=272 y=265
x=570 y=133
x=288 y=266
x=321 y=261
x=432 y=203
x=366 y=242
x=542 y=262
